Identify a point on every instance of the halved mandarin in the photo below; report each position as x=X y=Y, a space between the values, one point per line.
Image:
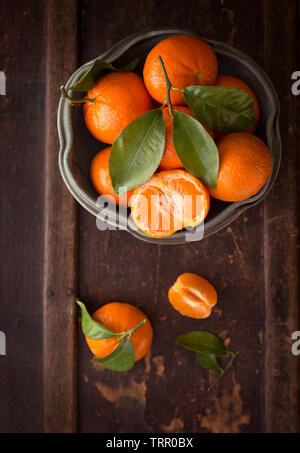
x=170 y=201
x=193 y=296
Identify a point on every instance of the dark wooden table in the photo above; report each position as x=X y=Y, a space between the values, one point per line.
x=51 y=249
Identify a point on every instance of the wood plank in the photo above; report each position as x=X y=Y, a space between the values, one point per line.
x=167 y=391
x=281 y=231
x=60 y=269
x=21 y=219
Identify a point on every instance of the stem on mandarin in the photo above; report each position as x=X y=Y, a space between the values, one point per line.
x=127 y=334
x=75 y=101
x=169 y=87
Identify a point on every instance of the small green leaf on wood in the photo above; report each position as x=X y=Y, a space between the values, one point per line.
x=96 y=70
x=202 y=342
x=223 y=109
x=91 y=328
x=195 y=148
x=208 y=361
x=121 y=359
x=137 y=151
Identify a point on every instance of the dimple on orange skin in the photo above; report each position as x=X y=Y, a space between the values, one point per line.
x=169 y=201
x=193 y=296
x=235 y=82
x=245 y=166
x=120 y=317
x=120 y=98
x=170 y=159
x=188 y=61
x=100 y=177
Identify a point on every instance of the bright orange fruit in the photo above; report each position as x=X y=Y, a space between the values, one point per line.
x=120 y=98
x=170 y=159
x=188 y=61
x=100 y=177
x=120 y=317
x=193 y=296
x=235 y=82
x=171 y=200
x=245 y=165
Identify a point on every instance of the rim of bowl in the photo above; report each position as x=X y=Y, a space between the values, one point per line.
x=229 y=213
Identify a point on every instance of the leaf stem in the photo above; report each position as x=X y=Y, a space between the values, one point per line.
x=127 y=334
x=229 y=364
x=169 y=87
x=137 y=327
x=75 y=101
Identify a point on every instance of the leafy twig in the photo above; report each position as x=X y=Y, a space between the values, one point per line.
x=219 y=377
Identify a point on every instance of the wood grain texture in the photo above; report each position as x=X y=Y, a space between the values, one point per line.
x=60 y=246
x=21 y=219
x=281 y=232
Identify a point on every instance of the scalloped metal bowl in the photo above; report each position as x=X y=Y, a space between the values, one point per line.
x=78 y=147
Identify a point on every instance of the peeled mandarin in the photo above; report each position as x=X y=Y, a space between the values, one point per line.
x=193 y=296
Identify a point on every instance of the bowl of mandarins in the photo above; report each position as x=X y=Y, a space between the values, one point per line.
x=173 y=137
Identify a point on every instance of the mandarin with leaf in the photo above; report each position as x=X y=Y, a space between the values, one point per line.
x=188 y=61
x=121 y=317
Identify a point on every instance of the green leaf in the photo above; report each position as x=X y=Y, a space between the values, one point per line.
x=221 y=108
x=121 y=359
x=129 y=67
x=91 y=328
x=195 y=148
x=203 y=342
x=208 y=361
x=137 y=151
x=97 y=69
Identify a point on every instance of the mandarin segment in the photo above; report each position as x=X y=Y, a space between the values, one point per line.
x=188 y=61
x=120 y=98
x=120 y=317
x=245 y=166
x=171 y=200
x=193 y=296
x=170 y=159
x=100 y=177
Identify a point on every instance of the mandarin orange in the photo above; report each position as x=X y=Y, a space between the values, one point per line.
x=171 y=200
x=235 y=82
x=188 y=61
x=193 y=296
x=245 y=165
x=121 y=317
x=120 y=98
